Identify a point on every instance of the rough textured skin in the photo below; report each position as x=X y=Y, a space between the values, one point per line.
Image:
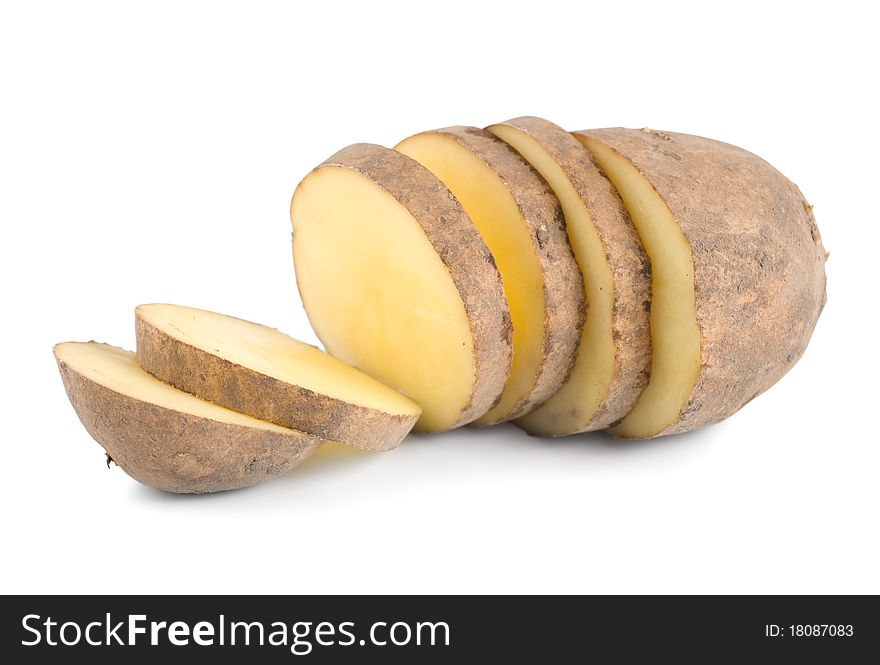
x=242 y=389
x=564 y=305
x=759 y=263
x=462 y=250
x=630 y=267
x=180 y=452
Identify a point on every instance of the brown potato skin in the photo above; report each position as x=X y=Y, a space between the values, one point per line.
x=564 y=306
x=629 y=264
x=242 y=389
x=460 y=247
x=759 y=263
x=180 y=452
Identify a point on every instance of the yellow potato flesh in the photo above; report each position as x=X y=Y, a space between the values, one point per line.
x=378 y=295
x=675 y=335
x=270 y=352
x=495 y=213
x=575 y=404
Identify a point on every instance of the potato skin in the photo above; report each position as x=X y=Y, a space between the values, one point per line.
x=759 y=263
x=179 y=452
x=564 y=306
x=629 y=264
x=460 y=247
x=242 y=389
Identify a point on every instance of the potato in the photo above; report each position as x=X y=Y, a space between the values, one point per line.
x=263 y=373
x=397 y=281
x=520 y=220
x=166 y=438
x=738 y=277
x=613 y=355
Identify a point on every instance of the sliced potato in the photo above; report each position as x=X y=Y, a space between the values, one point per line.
x=397 y=281
x=738 y=272
x=266 y=374
x=166 y=438
x=610 y=371
x=520 y=220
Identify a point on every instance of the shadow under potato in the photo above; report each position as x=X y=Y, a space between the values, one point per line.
x=425 y=458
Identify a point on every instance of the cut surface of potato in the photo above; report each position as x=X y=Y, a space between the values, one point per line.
x=614 y=347
x=738 y=272
x=674 y=333
x=519 y=219
x=266 y=374
x=166 y=438
x=397 y=281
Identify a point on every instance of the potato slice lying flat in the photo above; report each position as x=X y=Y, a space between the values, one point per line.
x=612 y=362
x=397 y=281
x=259 y=371
x=738 y=272
x=520 y=220
x=166 y=438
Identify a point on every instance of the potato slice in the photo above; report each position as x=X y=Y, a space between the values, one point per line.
x=397 y=281
x=738 y=272
x=166 y=438
x=259 y=371
x=520 y=220
x=610 y=371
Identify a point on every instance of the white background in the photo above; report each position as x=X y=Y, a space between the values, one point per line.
x=148 y=152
